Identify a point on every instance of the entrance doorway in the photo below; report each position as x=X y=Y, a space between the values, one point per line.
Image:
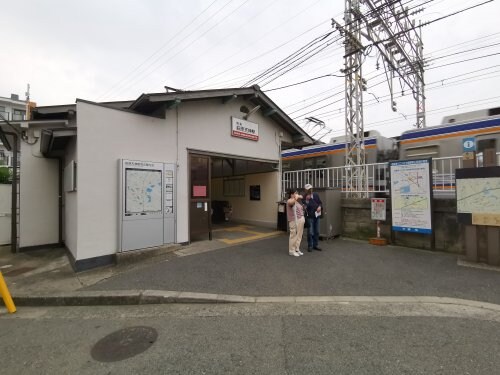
x=226 y=190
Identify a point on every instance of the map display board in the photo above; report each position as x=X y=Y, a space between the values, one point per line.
x=143 y=190
x=411 y=196
x=142 y=198
x=478 y=196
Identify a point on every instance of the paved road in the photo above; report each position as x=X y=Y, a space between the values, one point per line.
x=344 y=268
x=257 y=339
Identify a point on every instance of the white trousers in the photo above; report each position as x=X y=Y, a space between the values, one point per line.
x=295 y=234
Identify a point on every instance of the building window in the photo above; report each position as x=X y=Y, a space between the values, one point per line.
x=234 y=187
x=18 y=114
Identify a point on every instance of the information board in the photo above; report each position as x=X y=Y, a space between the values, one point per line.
x=378 y=209
x=411 y=195
x=478 y=196
x=147 y=204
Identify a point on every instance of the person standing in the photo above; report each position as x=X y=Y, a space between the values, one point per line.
x=313 y=206
x=295 y=216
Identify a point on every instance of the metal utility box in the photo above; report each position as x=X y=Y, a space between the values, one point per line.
x=331 y=220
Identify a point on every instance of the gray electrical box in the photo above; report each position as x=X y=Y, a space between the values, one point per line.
x=331 y=219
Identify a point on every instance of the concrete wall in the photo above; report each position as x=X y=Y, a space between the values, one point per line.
x=70 y=226
x=206 y=126
x=39 y=198
x=5 y=213
x=263 y=212
x=357 y=223
x=107 y=135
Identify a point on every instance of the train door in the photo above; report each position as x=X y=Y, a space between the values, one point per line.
x=487 y=149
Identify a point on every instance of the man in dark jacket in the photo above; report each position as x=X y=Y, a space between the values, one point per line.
x=313 y=206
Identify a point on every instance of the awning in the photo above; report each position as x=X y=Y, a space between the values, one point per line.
x=53 y=142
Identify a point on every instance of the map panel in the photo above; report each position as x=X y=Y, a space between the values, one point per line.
x=411 y=196
x=478 y=195
x=143 y=191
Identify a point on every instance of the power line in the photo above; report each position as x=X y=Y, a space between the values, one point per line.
x=185 y=47
x=158 y=50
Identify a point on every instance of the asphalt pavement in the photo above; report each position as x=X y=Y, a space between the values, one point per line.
x=245 y=268
x=343 y=268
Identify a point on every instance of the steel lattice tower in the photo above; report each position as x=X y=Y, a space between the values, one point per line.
x=386 y=26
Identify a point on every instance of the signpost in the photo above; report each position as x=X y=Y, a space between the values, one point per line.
x=469 y=152
x=378 y=208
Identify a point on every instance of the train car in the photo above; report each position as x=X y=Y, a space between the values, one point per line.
x=444 y=142
x=332 y=154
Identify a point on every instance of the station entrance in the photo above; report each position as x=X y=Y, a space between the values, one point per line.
x=227 y=190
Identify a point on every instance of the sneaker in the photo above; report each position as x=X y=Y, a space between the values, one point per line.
x=316 y=248
x=294 y=254
x=300 y=252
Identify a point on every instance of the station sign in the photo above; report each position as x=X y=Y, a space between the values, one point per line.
x=244 y=129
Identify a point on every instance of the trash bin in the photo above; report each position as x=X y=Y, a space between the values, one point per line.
x=282 y=220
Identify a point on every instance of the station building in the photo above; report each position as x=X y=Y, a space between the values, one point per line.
x=104 y=178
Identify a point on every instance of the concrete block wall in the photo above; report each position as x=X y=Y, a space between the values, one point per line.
x=449 y=235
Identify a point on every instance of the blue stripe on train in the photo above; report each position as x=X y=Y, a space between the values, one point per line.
x=329 y=147
x=451 y=129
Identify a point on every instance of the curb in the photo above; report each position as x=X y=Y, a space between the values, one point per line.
x=145 y=297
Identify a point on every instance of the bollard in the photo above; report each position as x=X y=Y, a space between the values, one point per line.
x=7 y=299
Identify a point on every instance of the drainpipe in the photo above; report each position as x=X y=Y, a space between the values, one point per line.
x=13 y=228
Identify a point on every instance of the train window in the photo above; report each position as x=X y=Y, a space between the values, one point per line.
x=422 y=151
x=494 y=111
x=285 y=166
x=321 y=162
x=308 y=163
x=484 y=144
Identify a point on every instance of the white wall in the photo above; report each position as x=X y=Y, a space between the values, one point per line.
x=263 y=212
x=206 y=126
x=39 y=195
x=105 y=136
x=70 y=226
x=5 y=213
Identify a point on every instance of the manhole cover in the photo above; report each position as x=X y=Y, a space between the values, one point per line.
x=124 y=344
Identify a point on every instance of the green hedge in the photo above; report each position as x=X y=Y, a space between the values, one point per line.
x=5 y=175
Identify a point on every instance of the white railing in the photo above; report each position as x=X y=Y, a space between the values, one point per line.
x=375 y=177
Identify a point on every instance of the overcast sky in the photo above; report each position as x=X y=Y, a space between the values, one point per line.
x=110 y=50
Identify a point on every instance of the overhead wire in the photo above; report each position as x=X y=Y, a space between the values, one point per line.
x=184 y=47
x=164 y=45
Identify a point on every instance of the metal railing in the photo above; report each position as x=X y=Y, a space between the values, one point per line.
x=375 y=176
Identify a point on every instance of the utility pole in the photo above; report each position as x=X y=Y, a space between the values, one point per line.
x=28 y=106
x=386 y=26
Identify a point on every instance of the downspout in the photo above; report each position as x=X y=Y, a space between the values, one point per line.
x=61 y=177
x=13 y=228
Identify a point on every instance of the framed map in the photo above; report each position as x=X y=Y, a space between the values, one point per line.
x=411 y=196
x=143 y=190
x=478 y=196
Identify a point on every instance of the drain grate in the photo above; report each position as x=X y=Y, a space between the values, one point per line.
x=18 y=271
x=124 y=343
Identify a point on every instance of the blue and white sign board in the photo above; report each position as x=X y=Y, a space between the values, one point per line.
x=469 y=144
x=411 y=196
x=146 y=203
